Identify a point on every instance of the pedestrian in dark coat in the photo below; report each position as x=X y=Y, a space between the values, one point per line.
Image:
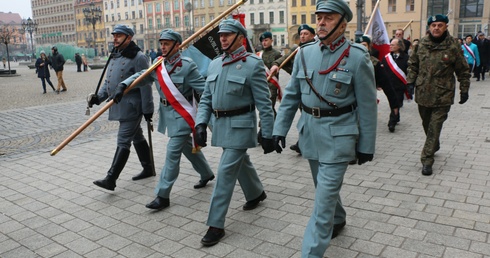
x=43 y=71
x=57 y=63
x=483 y=45
x=78 y=60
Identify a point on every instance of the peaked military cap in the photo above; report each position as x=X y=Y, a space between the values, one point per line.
x=364 y=38
x=438 y=18
x=123 y=29
x=305 y=27
x=231 y=26
x=170 y=34
x=265 y=35
x=334 y=6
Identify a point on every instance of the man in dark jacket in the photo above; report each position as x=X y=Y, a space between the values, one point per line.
x=57 y=63
x=483 y=45
x=138 y=102
x=78 y=60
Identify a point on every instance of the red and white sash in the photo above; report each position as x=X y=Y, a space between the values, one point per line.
x=472 y=55
x=273 y=79
x=175 y=98
x=395 y=69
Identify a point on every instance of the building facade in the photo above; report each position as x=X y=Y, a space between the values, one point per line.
x=90 y=33
x=56 y=21
x=127 y=12
x=18 y=41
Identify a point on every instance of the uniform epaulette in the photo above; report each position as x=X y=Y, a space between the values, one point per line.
x=254 y=56
x=186 y=58
x=359 y=46
x=309 y=43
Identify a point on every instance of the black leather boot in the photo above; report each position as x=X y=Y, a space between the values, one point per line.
x=143 y=151
x=392 y=122
x=118 y=163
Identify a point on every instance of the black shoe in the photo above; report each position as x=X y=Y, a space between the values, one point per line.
x=250 y=205
x=391 y=128
x=57 y=92
x=144 y=174
x=296 y=148
x=203 y=183
x=159 y=203
x=337 y=228
x=63 y=90
x=427 y=170
x=477 y=79
x=44 y=92
x=106 y=183
x=213 y=236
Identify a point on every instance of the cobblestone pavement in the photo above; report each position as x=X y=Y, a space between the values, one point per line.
x=50 y=208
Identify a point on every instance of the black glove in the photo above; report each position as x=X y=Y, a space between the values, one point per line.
x=410 y=90
x=259 y=136
x=463 y=98
x=267 y=145
x=93 y=100
x=118 y=94
x=279 y=141
x=363 y=158
x=148 y=117
x=201 y=135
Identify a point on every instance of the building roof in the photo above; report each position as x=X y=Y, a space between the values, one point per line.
x=10 y=18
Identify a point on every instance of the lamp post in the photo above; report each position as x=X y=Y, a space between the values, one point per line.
x=189 y=7
x=92 y=16
x=30 y=26
x=5 y=34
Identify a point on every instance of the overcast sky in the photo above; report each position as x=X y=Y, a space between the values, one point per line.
x=22 y=7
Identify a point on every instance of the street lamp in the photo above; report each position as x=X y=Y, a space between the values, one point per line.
x=92 y=16
x=30 y=26
x=5 y=34
x=189 y=7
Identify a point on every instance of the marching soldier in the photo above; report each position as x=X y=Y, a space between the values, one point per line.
x=236 y=85
x=269 y=55
x=126 y=60
x=306 y=35
x=431 y=70
x=336 y=89
x=176 y=81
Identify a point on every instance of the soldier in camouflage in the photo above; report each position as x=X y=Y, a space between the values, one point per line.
x=269 y=55
x=431 y=72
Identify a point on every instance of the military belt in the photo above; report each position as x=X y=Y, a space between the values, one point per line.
x=234 y=112
x=166 y=103
x=318 y=112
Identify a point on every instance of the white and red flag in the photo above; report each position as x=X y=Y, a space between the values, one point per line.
x=379 y=35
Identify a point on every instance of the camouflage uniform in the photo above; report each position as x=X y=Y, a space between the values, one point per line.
x=269 y=55
x=431 y=70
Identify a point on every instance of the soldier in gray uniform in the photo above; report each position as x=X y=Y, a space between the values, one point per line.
x=127 y=59
x=336 y=89
x=431 y=70
x=184 y=74
x=236 y=85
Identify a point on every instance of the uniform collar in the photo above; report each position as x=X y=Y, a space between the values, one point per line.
x=336 y=44
x=236 y=54
x=173 y=59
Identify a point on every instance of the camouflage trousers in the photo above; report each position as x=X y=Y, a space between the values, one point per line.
x=432 y=120
x=273 y=97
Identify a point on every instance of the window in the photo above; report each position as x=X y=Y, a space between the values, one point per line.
x=166 y=6
x=202 y=4
x=158 y=8
x=468 y=29
x=150 y=23
x=438 y=6
x=293 y=3
x=105 y=5
x=186 y=21
x=471 y=8
x=117 y=4
x=133 y=15
x=211 y=17
x=221 y=2
x=126 y=15
x=373 y=4
x=392 y=6
x=261 y=1
x=149 y=8
x=159 y=24
x=176 y=6
x=283 y=40
x=211 y=3
x=203 y=21
x=125 y=3
x=141 y=28
x=303 y=18
x=271 y=17
x=118 y=16
x=293 y=20
x=261 y=18
x=112 y=5
x=303 y=2
x=177 y=21
x=281 y=17
x=132 y=2
x=251 y=1
x=140 y=14
x=230 y=2
x=167 y=22
x=313 y=18
x=271 y=1
x=274 y=38
x=112 y=17
x=410 y=6
x=252 y=18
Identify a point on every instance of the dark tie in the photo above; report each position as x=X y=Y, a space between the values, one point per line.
x=395 y=56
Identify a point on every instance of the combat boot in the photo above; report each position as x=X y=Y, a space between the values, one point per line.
x=143 y=151
x=118 y=163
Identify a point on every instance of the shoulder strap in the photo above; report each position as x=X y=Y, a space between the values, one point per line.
x=308 y=80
